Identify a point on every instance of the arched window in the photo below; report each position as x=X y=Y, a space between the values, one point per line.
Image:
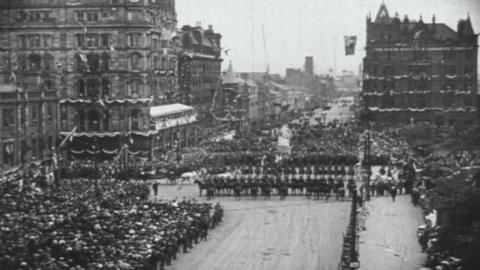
x=106 y=85
x=93 y=120
x=81 y=120
x=135 y=61
x=134 y=86
x=34 y=62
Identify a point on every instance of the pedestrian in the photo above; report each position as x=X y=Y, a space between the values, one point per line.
x=155 y=189
x=393 y=191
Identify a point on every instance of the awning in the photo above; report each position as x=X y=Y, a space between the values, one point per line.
x=170 y=109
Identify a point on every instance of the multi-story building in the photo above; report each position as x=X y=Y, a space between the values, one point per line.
x=419 y=71
x=199 y=69
x=28 y=129
x=110 y=61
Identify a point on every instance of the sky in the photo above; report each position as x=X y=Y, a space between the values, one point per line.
x=294 y=29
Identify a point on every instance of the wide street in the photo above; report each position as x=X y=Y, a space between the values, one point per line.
x=267 y=234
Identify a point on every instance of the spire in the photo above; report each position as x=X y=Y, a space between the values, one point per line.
x=382 y=15
x=230 y=77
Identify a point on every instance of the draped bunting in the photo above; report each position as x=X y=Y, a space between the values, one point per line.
x=376 y=109
x=111 y=134
x=105 y=151
x=392 y=93
x=414 y=76
x=109 y=101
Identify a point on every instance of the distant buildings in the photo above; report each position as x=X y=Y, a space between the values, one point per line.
x=321 y=88
x=414 y=70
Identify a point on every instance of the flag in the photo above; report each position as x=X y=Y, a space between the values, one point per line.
x=350 y=42
x=13 y=77
x=69 y=137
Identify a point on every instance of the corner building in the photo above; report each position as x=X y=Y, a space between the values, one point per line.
x=110 y=61
x=418 y=71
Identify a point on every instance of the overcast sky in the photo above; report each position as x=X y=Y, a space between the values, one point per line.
x=297 y=28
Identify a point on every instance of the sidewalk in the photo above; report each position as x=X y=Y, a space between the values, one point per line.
x=390 y=240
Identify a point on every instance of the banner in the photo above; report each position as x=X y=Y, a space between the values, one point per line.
x=350 y=42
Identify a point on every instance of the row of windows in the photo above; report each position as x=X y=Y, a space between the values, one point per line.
x=36 y=62
x=415 y=85
x=420 y=101
x=420 y=56
x=9 y=118
x=417 y=69
x=36 y=146
x=35 y=41
x=94 y=120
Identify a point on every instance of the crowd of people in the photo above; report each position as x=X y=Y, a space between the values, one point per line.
x=107 y=225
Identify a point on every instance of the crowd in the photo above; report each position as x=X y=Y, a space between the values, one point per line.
x=111 y=225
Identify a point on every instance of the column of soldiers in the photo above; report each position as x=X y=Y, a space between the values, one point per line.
x=312 y=181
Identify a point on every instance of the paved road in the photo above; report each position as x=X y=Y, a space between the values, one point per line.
x=390 y=240
x=268 y=235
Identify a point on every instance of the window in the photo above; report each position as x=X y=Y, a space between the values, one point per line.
x=93 y=120
x=448 y=55
x=449 y=70
x=156 y=62
x=8 y=118
x=93 y=88
x=23 y=115
x=49 y=112
x=105 y=87
x=134 y=15
x=136 y=61
x=34 y=62
x=135 y=115
x=34 y=114
x=105 y=40
x=134 y=88
x=105 y=62
x=48 y=62
x=134 y=40
x=91 y=41
x=47 y=41
x=106 y=120
x=34 y=41
x=81 y=120
x=93 y=62
x=80 y=40
x=8 y=153
x=22 y=41
x=80 y=88
x=92 y=16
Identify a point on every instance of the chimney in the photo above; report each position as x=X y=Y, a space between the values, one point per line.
x=210 y=27
x=433 y=23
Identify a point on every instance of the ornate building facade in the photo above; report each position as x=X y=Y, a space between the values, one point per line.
x=200 y=70
x=110 y=61
x=415 y=70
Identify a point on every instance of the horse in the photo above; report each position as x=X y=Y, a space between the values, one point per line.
x=201 y=186
x=188 y=177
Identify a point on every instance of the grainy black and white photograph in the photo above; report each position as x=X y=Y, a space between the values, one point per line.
x=239 y=135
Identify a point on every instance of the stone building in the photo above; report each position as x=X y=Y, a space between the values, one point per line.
x=414 y=70
x=110 y=61
x=28 y=124
x=200 y=70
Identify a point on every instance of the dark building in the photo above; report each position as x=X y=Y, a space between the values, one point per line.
x=199 y=69
x=309 y=65
x=109 y=61
x=414 y=70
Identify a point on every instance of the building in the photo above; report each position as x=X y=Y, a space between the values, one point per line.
x=414 y=70
x=28 y=129
x=200 y=70
x=240 y=101
x=109 y=61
